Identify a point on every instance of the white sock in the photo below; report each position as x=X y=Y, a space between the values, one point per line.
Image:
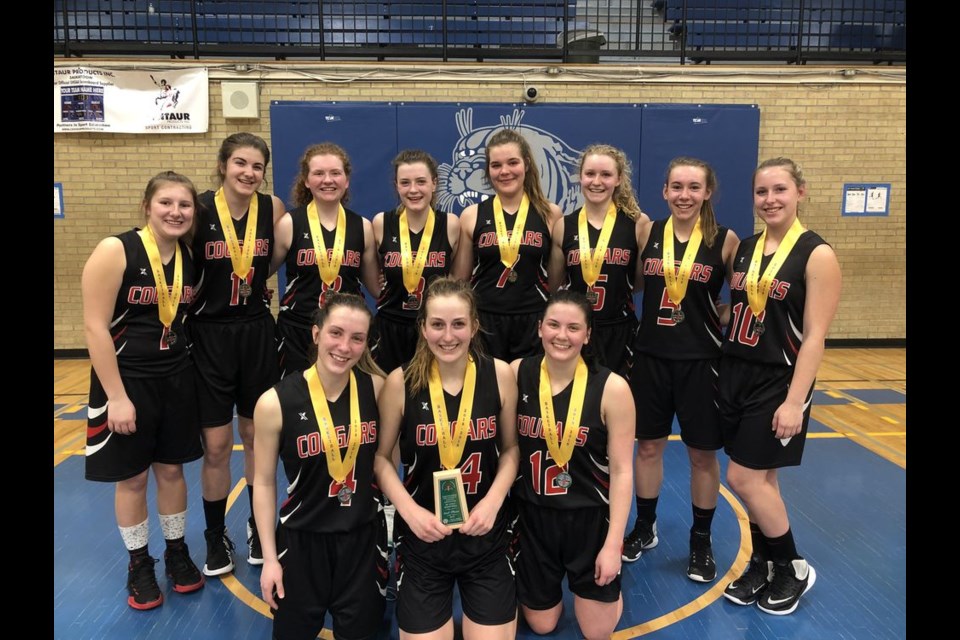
x=135 y=537
x=174 y=525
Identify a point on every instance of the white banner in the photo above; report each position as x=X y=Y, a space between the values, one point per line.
x=92 y=99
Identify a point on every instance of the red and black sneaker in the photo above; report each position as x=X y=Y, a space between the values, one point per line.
x=182 y=573
x=142 y=584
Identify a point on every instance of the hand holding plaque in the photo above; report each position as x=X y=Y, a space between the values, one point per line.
x=449 y=499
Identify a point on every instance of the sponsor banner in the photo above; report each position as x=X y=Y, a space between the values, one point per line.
x=113 y=101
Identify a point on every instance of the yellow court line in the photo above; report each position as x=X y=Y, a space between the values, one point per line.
x=890 y=420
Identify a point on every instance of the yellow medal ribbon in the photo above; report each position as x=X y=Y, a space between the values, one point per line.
x=329 y=266
x=167 y=300
x=509 y=243
x=413 y=267
x=592 y=262
x=451 y=444
x=758 y=288
x=677 y=280
x=561 y=452
x=338 y=468
x=241 y=259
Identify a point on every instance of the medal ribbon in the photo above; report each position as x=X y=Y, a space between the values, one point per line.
x=241 y=259
x=561 y=452
x=413 y=267
x=338 y=468
x=592 y=262
x=329 y=266
x=677 y=280
x=509 y=243
x=167 y=300
x=451 y=444
x=758 y=288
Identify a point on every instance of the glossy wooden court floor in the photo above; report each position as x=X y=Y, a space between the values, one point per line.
x=847 y=505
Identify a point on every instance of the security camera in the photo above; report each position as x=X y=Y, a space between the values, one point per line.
x=531 y=94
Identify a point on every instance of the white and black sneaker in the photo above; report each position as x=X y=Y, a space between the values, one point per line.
x=790 y=581
x=701 y=567
x=219 y=552
x=751 y=584
x=254 y=551
x=642 y=537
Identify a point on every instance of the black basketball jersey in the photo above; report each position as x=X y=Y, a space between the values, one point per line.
x=699 y=335
x=614 y=286
x=218 y=298
x=138 y=335
x=491 y=280
x=589 y=467
x=305 y=290
x=418 y=440
x=312 y=503
x=394 y=300
x=783 y=316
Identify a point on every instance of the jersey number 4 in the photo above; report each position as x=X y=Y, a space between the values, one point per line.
x=335 y=487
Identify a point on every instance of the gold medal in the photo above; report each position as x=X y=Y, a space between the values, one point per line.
x=677 y=280
x=509 y=242
x=591 y=261
x=562 y=450
x=758 y=288
x=168 y=298
x=411 y=267
x=240 y=258
x=338 y=467
x=329 y=265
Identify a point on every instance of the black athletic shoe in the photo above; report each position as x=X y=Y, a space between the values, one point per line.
x=219 y=552
x=142 y=584
x=642 y=537
x=702 y=567
x=790 y=581
x=182 y=573
x=254 y=552
x=751 y=584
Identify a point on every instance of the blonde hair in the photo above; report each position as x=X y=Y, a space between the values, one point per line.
x=299 y=193
x=531 y=179
x=623 y=196
x=417 y=374
x=351 y=301
x=708 y=219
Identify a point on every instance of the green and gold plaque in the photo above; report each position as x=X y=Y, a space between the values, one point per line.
x=449 y=500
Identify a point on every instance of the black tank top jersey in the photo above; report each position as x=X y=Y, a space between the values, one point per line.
x=699 y=335
x=615 y=284
x=783 y=316
x=138 y=334
x=588 y=466
x=218 y=298
x=393 y=300
x=312 y=503
x=304 y=287
x=495 y=293
x=418 y=440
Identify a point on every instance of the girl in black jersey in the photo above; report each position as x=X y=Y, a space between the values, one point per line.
x=319 y=194
x=573 y=496
x=322 y=424
x=453 y=408
x=232 y=331
x=143 y=404
x=677 y=354
x=784 y=292
x=400 y=235
x=508 y=271
x=601 y=262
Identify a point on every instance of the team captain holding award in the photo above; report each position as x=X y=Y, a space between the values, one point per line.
x=449 y=376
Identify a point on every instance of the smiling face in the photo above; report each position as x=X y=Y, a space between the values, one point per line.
x=341 y=339
x=506 y=169
x=327 y=179
x=448 y=327
x=564 y=330
x=685 y=191
x=415 y=186
x=776 y=196
x=243 y=171
x=599 y=178
x=170 y=211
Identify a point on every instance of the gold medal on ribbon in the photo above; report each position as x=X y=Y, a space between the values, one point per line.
x=329 y=265
x=411 y=267
x=241 y=259
x=562 y=450
x=450 y=503
x=339 y=468
x=677 y=280
x=591 y=261
x=758 y=287
x=509 y=243
x=168 y=298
